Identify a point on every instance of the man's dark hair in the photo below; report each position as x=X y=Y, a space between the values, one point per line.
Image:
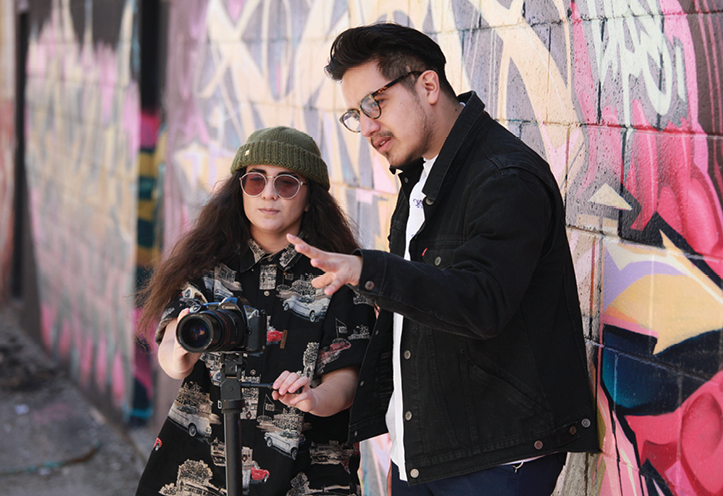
x=396 y=49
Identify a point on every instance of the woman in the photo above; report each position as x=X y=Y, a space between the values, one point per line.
x=292 y=442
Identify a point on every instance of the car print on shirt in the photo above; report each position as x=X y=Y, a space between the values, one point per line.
x=194 y=477
x=284 y=441
x=283 y=432
x=191 y=411
x=303 y=299
x=252 y=473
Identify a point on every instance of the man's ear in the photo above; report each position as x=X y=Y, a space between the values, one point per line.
x=430 y=85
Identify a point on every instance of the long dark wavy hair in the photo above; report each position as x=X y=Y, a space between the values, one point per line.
x=221 y=229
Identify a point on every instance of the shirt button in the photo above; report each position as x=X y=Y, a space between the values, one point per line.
x=369 y=285
x=406 y=180
x=361 y=383
x=407 y=354
x=408 y=415
x=585 y=423
x=414 y=473
x=252 y=373
x=538 y=445
x=266 y=293
x=573 y=430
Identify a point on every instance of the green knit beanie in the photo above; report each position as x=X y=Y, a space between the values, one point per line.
x=283 y=147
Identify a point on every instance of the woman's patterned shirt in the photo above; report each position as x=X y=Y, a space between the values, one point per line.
x=284 y=450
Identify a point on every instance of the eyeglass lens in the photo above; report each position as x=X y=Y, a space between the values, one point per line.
x=286 y=186
x=369 y=105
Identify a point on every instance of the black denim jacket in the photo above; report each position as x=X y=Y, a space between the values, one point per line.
x=493 y=357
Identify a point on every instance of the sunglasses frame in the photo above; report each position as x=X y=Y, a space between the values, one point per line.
x=266 y=182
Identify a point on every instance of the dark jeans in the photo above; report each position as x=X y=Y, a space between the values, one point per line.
x=535 y=478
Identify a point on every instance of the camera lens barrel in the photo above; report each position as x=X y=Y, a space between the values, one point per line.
x=212 y=330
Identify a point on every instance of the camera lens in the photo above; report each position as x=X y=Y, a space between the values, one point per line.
x=212 y=330
x=196 y=334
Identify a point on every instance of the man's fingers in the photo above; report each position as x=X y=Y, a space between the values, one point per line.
x=323 y=280
x=304 y=248
x=338 y=269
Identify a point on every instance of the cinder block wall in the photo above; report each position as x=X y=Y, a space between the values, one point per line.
x=82 y=122
x=623 y=98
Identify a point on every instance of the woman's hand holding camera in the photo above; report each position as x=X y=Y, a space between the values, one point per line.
x=334 y=394
x=293 y=390
x=173 y=358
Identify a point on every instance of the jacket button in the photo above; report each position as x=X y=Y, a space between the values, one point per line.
x=538 y=445
x=407 y=354
x=573 y=430
x=414 y=473
x=585 y=423
x=369 y=285
x=428 y=201
x=437 y=260
x=408 y=416
x=361 y=383
x=266 y=293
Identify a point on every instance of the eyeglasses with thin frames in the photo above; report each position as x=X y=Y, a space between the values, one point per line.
x=285 y=185
x=369 y=106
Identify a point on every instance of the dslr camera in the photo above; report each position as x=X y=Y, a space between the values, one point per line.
x=223 y=326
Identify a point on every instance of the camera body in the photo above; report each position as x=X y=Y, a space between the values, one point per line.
x=223 y=326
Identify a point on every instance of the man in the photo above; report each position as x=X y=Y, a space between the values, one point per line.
x=477 y=365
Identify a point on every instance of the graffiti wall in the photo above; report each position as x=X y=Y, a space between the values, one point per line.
x=624 y=100
x=7 y=143
x=82 y=119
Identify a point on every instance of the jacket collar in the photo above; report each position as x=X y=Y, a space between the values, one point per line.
x=465 y=124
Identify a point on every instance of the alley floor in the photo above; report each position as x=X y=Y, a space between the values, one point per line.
x=52 y=440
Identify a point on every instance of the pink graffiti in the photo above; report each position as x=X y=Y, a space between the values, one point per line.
x=86 y=363
x=686 y=446
x=101 y=363
x=668 y=170
x=119 y=382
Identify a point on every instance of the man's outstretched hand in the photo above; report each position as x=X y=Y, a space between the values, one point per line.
x=338 y=269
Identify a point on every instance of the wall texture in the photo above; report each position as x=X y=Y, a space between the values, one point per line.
x=82 y=132
x=7 y=142
x=623 y=98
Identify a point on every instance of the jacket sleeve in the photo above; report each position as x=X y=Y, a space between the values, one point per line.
x=473 y=286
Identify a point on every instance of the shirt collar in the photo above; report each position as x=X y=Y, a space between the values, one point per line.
x=255 y=254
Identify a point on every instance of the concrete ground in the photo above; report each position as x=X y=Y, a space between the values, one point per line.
x=52 y=440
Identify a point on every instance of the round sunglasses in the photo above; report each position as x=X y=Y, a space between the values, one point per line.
x=285 y=185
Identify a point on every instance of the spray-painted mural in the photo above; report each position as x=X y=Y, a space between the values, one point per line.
x=7 y=144
x=83 y=118
x=622 y=97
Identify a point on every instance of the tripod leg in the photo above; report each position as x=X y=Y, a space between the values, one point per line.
x=234 y=469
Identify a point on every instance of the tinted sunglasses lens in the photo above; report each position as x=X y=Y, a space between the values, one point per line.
x=253 y=183
x=286 y=186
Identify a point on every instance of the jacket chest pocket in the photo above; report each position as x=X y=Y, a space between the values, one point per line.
x=438 y=257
